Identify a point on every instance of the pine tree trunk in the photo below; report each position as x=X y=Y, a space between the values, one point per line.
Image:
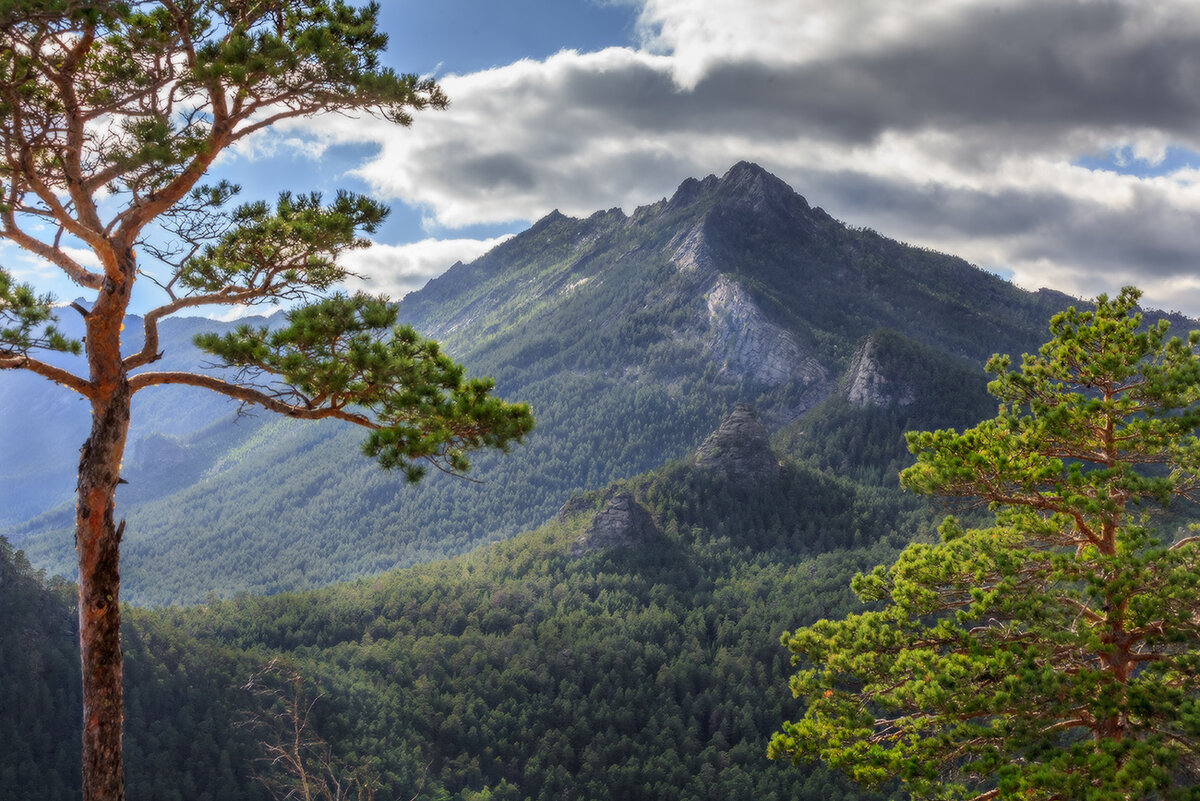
x=97 y=544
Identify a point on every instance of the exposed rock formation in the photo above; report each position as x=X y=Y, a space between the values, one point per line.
x=866 y=385
x=691 y=253
x=745 y=342
x=739 y=448
x=623 y=522
x=751 y=187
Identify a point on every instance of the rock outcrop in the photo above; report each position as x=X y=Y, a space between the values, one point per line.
x=622 y=523
x=866 y=385
x=740 y=447
x=743 y=341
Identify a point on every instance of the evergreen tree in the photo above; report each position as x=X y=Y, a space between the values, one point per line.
x=110 y=115
x=1056 y=653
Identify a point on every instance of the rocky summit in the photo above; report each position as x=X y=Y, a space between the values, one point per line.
x=623 y=522
x=740 y=447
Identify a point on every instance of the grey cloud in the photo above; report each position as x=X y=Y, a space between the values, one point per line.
x=930 y=208
x=494 y=172
x=1023 y=78
x=1152 y=238
x=1032 y=69
x=1046 y=64
x=1148 y=242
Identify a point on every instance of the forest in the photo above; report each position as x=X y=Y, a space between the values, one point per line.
x=521 y=670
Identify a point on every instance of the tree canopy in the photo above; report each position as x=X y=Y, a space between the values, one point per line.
x=1055 y=653
x=111 y=113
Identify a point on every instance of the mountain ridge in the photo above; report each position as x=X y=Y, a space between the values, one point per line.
x=631 y=335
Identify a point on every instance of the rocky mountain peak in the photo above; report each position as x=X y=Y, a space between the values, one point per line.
x=749 y=186
x=745 y=184
x=622 y=522
x=748 y=177
x=740 y=447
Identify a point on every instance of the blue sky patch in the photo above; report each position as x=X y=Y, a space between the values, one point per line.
x=1123 y=162
x=462 y=36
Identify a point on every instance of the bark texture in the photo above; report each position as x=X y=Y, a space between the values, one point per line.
x=97 y=545
x=97 y=542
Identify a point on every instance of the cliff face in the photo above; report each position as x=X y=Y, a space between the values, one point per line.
x=866 y=385
x=740 y=448
x=744 y=342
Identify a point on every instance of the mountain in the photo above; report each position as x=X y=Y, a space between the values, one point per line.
x=739 y=271
x=630 y=335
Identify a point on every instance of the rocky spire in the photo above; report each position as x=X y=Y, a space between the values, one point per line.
x=623 y=522
x=739 y=448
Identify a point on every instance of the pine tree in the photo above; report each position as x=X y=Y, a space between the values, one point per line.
x=111 y=113
x=1054 y=654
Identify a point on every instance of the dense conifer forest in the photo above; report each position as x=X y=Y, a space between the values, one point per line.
x=533 y=668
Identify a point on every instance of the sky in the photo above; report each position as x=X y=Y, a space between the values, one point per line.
x=1054 y=142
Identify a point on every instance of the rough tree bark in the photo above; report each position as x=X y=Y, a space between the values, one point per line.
x=98 y=541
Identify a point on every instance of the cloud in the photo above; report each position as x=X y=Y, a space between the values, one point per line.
x=44 y=276
x=85 y=257
x=396 y=270
x=957 y=125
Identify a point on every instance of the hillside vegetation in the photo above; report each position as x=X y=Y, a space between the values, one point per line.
x=549 y=666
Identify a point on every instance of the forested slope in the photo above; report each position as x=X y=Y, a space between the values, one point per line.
x=553 y=665
x=39 y=697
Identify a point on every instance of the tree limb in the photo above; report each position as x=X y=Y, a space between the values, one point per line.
x=248 y=395
x=56 y=374
x=75 y=271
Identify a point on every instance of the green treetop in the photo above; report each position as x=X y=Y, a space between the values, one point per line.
x=1056 y=653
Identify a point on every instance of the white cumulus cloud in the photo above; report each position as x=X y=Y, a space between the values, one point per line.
x=396 y=270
